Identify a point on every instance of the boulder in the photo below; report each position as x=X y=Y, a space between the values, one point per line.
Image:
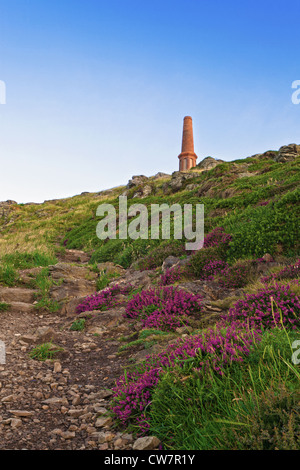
x=17 y=294
x=160 y=175
x=71 y=288
x=136 y=181
x=144 y=191
x=287 y=153
x=68 y=271
x=208 y=163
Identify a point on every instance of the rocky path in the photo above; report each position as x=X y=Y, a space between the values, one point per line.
x=60 y=403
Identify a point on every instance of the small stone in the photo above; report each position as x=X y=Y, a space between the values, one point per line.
x=76 y=413
x=146 y=443
x=16 y=423
x=57 y=368
x=103 y=422
x=9 y=398
x=22 y=413
x=76 y=400
x=104 y=446
x=68 y=435
x=56 y=401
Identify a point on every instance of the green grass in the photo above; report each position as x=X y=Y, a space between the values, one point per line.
x=45 y=351
x=146 y=338
x=28 y=260
x=78 y=325
x=4 y=307
x=8 y=275
x=43 y=283
x=255 y=405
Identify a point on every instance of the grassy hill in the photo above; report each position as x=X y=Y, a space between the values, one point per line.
x=219 y=324
x=255 y=199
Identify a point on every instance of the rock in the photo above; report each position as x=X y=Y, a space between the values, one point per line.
x=21 y=307
x=144 y=191
x=191 y=187
x=57 y=368
x=9 y=398
x=76 y=256
x=173 y=261
x=268 y=258
x=110 y=268
x=29 y=339
x=146 y=443
x=56 y=401
x=76 y=413
x=96 y=330
x=170 y=262
x=22 y=413
x=68 y=435
x=160 y=175
x=69 y=271
x=10 y=294
x=287 y=153
x=16 y=423
x=71 y=288
x=103 y=422
x=177 y=181
x=208 y=163
x=136 y=181
x=45 y=334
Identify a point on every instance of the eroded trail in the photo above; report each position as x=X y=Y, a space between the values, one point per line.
x=60 y=403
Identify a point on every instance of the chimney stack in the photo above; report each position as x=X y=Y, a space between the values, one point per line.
x=187 y=158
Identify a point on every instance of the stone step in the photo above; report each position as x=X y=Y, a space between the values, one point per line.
x=21 y=307
x=17 y=294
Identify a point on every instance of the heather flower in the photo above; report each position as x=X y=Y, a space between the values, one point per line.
x=212 y=350
x=269 y=307
x=164 y=308
x=289 y=272
x=102 y=300
x=217 y=238
x=213 y=268
x=170 y=276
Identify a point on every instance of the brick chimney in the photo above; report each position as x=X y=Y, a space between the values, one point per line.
x=187 y=158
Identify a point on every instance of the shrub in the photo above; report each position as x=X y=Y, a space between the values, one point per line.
x=157 y=256
x=170 y=276
x=103 y=300
x=254 y=405
x=289 y=272
x=236 y=276
x=215 y=348
x=107 y=251
x=270 y=306
x=164 y=308
x=203 y=258
x=213 y=269
x=218 y=238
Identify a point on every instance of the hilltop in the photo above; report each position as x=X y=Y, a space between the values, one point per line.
x=111 y=341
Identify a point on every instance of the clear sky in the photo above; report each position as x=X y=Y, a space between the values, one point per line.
x=96 y=91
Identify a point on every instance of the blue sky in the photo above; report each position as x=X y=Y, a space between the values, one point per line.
x=96 y=91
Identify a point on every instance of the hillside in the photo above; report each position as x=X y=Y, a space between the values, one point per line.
x=122 y=344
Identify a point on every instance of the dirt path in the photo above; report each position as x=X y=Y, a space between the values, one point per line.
x=62 y=403
x=56 y=404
